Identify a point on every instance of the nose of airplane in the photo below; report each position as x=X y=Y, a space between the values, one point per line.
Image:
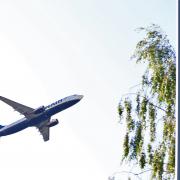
x=81 y=96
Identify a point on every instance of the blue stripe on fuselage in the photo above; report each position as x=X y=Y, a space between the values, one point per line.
x=60 y=107
x=38 y=119
x=14 y=127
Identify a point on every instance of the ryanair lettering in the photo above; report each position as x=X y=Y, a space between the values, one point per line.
x=54 y=104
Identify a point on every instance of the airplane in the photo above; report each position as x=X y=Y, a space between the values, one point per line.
x=39 y=117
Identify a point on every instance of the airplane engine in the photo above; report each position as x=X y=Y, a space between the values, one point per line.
x=53 y=122
x=39 y=110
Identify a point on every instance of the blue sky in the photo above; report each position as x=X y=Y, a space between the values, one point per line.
x=52 y=49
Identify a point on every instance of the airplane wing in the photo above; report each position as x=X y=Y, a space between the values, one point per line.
x=44 y=129
x=22 y=109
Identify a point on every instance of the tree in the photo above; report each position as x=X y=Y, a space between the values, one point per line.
x=149 y=113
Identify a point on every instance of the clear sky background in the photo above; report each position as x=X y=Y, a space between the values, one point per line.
x=52 y=49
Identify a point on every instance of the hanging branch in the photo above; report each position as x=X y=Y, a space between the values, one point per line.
x=129 y=172
x=147 y=100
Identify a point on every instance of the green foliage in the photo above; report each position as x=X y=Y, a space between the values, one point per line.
x=129 y=119
x=150 y=154
x=120 y=111
x=152 y=117
x=143 y=110
x=171 y=157
x=152 y=107
x=138 y=103
x=158 y=162
x=142 y=160
x=136 y=142
x=126 y=145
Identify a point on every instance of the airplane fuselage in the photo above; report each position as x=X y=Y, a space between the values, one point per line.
x=43 y=113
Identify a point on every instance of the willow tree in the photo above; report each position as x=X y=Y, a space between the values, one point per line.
x=149 y=113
